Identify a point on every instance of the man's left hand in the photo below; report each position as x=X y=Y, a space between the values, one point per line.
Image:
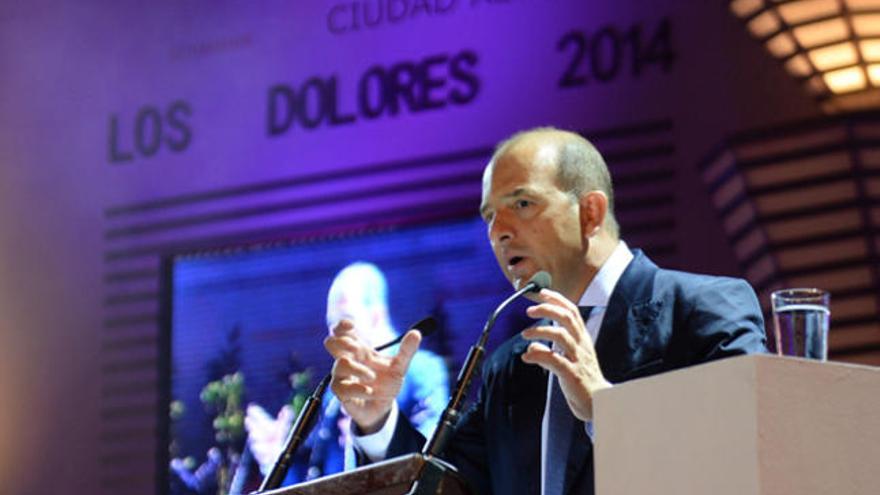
x=574 y=361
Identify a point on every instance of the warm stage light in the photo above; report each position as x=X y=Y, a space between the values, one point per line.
x=845 y=80
x=874 y=74
x=832 y=46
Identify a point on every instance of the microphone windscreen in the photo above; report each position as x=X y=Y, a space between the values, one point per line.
x=540 y=280
x=425 y=326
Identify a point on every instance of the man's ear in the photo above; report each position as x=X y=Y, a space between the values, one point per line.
x=593 y=208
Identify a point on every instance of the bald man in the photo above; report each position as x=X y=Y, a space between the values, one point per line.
x=611 y=315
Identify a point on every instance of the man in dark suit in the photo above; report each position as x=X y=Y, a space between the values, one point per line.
x=611 y=315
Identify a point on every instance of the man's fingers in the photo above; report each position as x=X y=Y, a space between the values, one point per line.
x=565 y=317
x=347 y=390
x=344 y=327
x=551 y=296
x=346 y=345
x=345 y=367
x=408 y=348
x=558 y=335
x=553 y=362
x=559 y=309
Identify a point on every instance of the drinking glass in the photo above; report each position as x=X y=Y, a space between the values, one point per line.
x=801 y=319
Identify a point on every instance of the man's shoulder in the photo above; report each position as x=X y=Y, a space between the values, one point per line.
x=695 y=278
x=696 y=283
x=714 y=316
x=678 y=282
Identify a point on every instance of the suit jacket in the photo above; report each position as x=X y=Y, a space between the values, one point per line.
x=657 y=320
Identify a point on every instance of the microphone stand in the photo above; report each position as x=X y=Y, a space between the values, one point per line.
x=432 y=473
x=304 y=422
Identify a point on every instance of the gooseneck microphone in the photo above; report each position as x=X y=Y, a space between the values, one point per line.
x=307 y=415
x=425 y=326
x=451 y=414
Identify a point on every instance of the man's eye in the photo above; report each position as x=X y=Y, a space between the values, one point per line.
x=522 y=203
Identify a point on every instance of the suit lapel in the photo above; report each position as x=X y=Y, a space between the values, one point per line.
x=629 y=316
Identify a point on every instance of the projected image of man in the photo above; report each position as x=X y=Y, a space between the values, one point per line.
x=359 y=295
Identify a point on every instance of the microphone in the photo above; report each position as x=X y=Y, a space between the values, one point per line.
x=307 y=415
x=540 y=280
x=425 y=326
x=450 y=417
x=429 y=478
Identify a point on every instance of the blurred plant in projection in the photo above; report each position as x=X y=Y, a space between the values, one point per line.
x=300 y=383
x=224 y=397
x=229 y=467
x=176 y=410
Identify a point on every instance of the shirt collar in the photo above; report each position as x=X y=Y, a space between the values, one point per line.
x=599 y=291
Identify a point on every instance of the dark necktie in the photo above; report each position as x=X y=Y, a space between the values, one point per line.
x=560 y=428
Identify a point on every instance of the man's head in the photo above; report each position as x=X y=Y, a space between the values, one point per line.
x=359 y=293
x=548 y=204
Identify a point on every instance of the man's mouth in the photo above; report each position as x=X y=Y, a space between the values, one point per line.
x=512 y=262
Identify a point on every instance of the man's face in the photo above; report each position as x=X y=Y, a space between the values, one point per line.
x=343 y=306
x=532 y=224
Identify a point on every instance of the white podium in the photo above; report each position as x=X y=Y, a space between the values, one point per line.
x=761 y=425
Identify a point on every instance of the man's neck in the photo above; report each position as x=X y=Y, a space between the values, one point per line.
x=600 y=249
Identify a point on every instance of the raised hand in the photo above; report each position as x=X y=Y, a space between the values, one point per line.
x=365 y=381
x=574 y=361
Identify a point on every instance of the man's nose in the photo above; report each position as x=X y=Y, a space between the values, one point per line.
x=501 y=230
